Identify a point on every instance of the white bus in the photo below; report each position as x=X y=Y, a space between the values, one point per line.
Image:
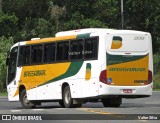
x=79 y=66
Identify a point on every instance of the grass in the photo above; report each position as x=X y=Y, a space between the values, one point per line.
x=156 y=81
x=4 y=93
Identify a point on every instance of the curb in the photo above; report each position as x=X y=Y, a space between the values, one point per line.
x=3 y=97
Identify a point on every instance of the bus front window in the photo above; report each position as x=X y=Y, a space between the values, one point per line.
x=12 y=65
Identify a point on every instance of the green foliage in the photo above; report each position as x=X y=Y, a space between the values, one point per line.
x=156 y=81
x=33 y=28
x=156 y=66
x=156 y=62
x=5 y=44
x=108 y=12
x=8 y=24
x=56 y=13
x=25 y=19
x=25 y=8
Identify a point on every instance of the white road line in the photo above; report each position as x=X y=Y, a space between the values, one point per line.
x=143 y=120
x=37 y=109
x=61 y=108
x=16 y=110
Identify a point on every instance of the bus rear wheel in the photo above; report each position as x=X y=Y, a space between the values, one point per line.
x=25 y=102
x=112 y=102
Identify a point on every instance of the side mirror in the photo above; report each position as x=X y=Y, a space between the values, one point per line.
x=7 y=61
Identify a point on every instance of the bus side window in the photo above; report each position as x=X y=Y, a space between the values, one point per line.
x=76 y=48
x=62 y=51
x=91 y=48
x=49 y=53
x=24 y=56
x=36 y=54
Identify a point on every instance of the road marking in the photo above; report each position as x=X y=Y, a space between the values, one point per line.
x=143 y=120
x=101 y=112
x=93 y=111
x=37 y=109
x=16 y=110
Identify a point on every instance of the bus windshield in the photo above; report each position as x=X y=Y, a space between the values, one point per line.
x=12 y=65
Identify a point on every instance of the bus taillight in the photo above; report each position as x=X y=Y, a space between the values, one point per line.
x=103 y=76
x=149 y=76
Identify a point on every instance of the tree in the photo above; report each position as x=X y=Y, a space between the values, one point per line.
x=56 y=13
x=5 y=45
x=0 y=5
x=8 y=24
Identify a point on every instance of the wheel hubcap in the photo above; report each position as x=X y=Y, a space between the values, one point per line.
x=26 y=101
x=67 y=97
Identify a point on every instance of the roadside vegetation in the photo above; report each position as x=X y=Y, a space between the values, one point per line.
x=25 y=19
x=156 y=84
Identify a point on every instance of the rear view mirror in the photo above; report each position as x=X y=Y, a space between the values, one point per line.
x=7 y=61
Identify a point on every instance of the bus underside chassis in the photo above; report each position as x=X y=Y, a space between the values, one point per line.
x=112 y=102
x=67 y=101
x=25 y=102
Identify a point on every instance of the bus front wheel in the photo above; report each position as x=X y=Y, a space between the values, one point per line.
x=25 y=102
x=67 y=99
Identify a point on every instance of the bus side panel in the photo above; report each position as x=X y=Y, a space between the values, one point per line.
x=84 y=83
x=49 y=91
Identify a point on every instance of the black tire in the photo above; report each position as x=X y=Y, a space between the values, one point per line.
x=112 y=102
x=61 y=103
x=67 y=99
x=77 y=105
x=25 y=102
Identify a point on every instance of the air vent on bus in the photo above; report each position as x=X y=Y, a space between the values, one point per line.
x=35 y=39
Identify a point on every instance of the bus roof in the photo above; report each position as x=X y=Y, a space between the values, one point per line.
x=81 y=31
x=65 y=35
x=92 y=30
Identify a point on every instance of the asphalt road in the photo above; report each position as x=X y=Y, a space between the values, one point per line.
x=130 y=109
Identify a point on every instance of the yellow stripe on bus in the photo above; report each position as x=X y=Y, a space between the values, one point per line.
x=32 y=77
x=51 y=39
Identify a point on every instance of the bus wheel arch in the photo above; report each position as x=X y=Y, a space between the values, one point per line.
x=67 y=100
x=23 y=98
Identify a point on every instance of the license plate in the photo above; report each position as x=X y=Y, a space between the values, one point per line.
x=127 y=90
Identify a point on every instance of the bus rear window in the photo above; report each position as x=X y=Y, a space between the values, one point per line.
x=128 y=43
